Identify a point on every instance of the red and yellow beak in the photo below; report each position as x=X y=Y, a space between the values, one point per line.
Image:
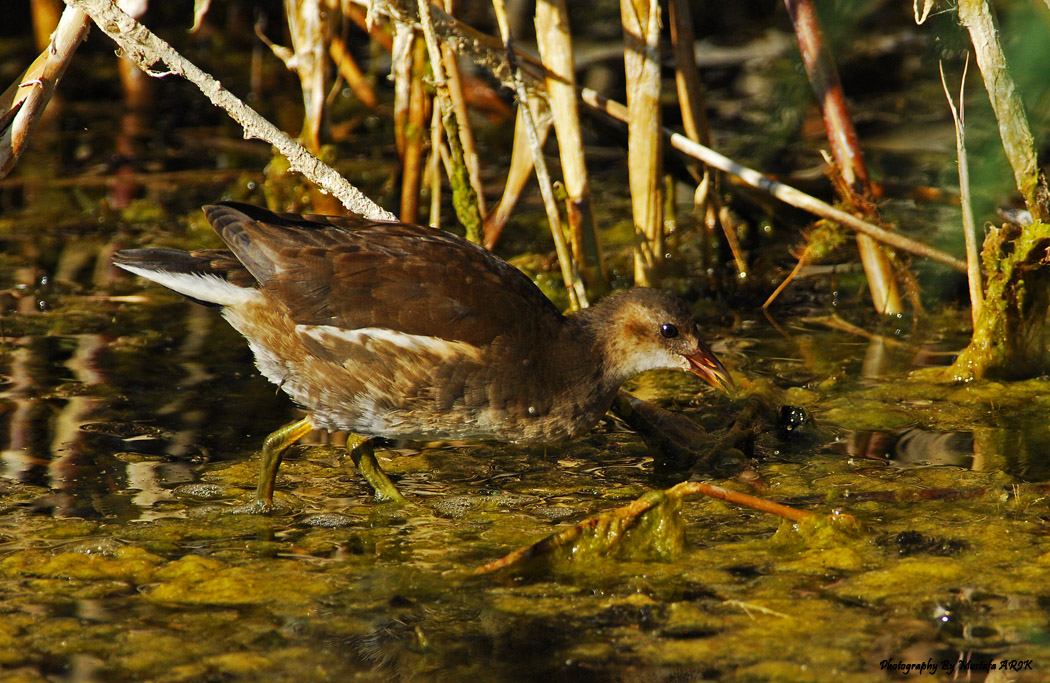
x=707 y=367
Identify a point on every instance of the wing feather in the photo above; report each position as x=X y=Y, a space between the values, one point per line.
x=350 y=273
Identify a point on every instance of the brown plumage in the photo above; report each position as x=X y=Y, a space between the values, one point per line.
x=404 y=331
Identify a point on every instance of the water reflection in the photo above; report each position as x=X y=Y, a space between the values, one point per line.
x=146 y=410
x=914 y=447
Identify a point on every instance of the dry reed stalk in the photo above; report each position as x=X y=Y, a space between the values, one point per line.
x=23 y=103
x=574 y=288
x=690 y=89
x=412 y=158
x=310 y=29
x=454 y=79
x=485 y=52
x=519 y=170
x=973 y=258
x=351 y=72
x=401 y=49
x=464 y=197
x=641 y=34
x=554 y=40
x=466 y=133
x=1018 y=142
x=842 y=137
x=434 y=168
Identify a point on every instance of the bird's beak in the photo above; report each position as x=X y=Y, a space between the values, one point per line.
x=707 y=367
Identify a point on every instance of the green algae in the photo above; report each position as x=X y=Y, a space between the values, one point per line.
x=334 y=587
x=1011 y=337
x=194 y=580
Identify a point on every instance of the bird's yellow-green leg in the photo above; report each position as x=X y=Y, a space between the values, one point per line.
x=272 y=451
x=364 y=457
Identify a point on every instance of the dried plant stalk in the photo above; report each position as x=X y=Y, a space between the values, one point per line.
x=412 y=137
x=694 y=124
x=22 y=104
x=520 y=169
x=973 y=259
x=1018 y=142
x=454 y=81
x=842 y=137
x=401 y=48
x=641 y=34
x=554 y=40
x=464 y=198
x=434 y=168
x=573 y=285
x=351 y=72
x=310 y=30
x=486 y=52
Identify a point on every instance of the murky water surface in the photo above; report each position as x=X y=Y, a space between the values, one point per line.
x=130 y=422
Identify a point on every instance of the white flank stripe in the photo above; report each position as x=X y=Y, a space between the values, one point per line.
x=210 y=288
x=367 y=336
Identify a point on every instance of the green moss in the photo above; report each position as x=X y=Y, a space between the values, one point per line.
x=1010 y=339
x=128 y=564
x=904 y=581
x=194 y=580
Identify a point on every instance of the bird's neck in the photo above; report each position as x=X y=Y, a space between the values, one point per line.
x=596 y=332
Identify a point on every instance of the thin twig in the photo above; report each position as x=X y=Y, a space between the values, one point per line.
x=973 y=262
x=802 y=261
x=146 y=49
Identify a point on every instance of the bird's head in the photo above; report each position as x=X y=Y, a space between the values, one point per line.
x=646 y=329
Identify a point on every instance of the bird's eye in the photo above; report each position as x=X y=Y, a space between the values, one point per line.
x=668 y=331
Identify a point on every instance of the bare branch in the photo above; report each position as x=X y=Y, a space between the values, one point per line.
x=146 y=49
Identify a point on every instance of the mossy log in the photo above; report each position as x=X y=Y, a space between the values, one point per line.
x=1011 y=339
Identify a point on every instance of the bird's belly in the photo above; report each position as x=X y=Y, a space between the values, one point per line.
x=403 y=418
x=430 y=393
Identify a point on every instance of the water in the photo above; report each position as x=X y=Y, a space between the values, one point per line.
x=130 y=422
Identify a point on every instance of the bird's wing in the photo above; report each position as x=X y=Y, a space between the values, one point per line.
x=353 y=273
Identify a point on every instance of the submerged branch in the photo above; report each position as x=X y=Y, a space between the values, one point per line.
x=611 y=529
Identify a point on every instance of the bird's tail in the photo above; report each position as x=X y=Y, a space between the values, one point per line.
x=209 y=277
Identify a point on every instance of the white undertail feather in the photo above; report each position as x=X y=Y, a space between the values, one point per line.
x=210 y=288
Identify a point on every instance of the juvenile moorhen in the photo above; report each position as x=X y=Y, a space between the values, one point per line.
x=407 y=332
